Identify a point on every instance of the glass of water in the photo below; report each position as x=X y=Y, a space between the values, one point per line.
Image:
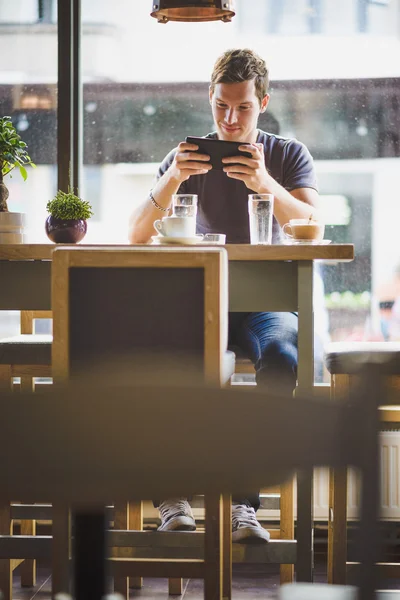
x=184 y=205
x=261 y=210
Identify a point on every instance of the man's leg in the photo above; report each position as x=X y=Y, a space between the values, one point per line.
x=270 y=340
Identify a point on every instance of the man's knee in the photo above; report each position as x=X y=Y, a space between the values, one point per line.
x=277 y=367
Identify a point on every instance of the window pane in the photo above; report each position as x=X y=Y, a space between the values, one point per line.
x=28 y=94
x=325 y=91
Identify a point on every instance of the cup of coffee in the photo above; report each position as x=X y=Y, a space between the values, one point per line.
x=303 y=229
x=176 y=226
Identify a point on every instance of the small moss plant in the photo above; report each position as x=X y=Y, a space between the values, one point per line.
x=68 y=206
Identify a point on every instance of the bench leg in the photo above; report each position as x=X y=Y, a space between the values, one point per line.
x=227 y=546
x=337 y=526
x=337 y=517
x=27 y=384
x=5 y=378
x=121 y=521
x=175 y=586
x=287 y=526
x=136 y=524
x=213 y=548
x=28 y=567
x=6 y=566
x=61 y=550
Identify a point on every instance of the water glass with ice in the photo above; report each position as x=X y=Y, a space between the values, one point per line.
x=261 y=210
x=184 y=205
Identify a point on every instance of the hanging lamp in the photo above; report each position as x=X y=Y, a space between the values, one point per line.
x=192 y=10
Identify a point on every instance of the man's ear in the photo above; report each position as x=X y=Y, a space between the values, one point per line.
x=210 y=94
x=264 y=103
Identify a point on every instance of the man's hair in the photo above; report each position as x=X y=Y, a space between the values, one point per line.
x=235 y=66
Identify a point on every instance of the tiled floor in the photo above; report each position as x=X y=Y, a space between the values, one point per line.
x=249 y=583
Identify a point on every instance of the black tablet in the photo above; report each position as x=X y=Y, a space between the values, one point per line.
x=217 y=149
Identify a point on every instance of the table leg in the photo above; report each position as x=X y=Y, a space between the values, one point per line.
x=305 y=378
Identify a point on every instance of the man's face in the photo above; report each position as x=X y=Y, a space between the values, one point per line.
x=236 y=108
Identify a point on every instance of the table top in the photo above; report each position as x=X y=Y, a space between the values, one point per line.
x=236 y=252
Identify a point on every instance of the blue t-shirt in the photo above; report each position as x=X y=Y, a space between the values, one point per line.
x=222 y=202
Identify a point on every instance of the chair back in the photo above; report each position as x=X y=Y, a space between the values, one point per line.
x=139 y=305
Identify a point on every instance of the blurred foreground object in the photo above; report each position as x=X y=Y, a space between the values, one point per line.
x=72 y=446
x=348 y=364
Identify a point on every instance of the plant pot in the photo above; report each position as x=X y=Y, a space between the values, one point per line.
x=12 y=228
x=65 y=231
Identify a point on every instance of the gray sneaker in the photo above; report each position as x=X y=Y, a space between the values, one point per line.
x=176 y=515
x=245 y=527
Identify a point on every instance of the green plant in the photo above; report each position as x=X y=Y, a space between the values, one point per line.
x=66 y=206
x=13 y=153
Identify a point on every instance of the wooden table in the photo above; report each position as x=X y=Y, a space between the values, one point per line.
x=261 y=278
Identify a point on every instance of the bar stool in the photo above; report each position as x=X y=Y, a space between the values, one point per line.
x=343 y=361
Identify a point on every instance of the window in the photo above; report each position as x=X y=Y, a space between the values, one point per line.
x=334 y=85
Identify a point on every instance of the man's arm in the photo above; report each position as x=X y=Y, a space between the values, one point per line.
x=299 y=203
x=184 y=165
x=296 y=204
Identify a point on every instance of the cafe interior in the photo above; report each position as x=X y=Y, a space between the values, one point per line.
x=119 y=381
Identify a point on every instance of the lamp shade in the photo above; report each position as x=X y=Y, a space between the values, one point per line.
x=192 y=10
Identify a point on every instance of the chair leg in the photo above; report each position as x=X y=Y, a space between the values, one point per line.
x=287 y=525
x=337 y=517
x=175 y=586
x=27 y=384
x=337 y=526
x=213 y=548
x=61 y=550
x=5 y=377
x=121 y=521
x=6 y=566
x=227 y=546
x=28 y=567
x=136 y=524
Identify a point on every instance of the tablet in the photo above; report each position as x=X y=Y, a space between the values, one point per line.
x=217 y=149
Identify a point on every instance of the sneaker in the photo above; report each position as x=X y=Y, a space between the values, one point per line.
x=245 y=527
x=176 y=515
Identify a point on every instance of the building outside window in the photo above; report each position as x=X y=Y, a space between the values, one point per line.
x=334 y=85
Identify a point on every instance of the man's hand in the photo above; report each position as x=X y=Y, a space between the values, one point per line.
x=251 y=171
x=187 y=163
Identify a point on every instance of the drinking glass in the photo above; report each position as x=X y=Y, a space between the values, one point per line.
x=261 y=210
x=184 y=205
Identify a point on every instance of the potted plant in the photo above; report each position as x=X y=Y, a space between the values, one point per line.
x=66 y=223
x=13 y=154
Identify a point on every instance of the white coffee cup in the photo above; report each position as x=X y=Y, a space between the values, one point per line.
x=176 y=226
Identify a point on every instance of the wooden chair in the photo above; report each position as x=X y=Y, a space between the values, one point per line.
x=139 y=306
x=304 y=434
x=27 y=355
x=344 y=361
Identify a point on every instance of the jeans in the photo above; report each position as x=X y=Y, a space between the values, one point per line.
x=269 y=339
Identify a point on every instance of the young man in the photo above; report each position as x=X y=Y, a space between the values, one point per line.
x=279 y=166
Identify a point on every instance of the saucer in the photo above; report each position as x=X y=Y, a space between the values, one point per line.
x=163 y=239
x=306 y=242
